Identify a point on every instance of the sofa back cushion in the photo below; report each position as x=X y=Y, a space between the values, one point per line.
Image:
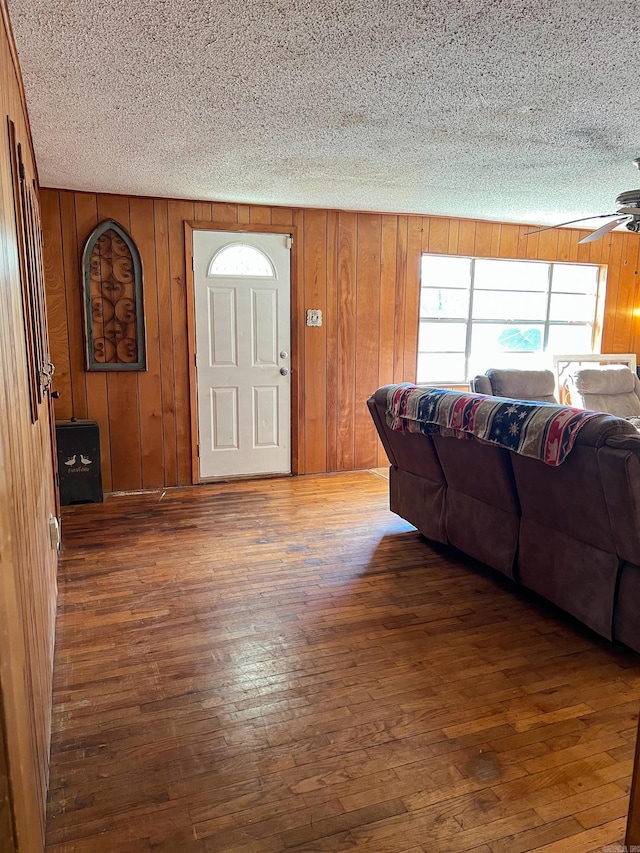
x=482 y=513
x=537 y=385
x=571 y=497
x=567 y=543
x=613 y=389
x=417 y=487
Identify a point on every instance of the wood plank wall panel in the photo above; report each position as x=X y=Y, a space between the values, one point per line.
x=331 y=325
x=367 y=342
x=412 y=297
x=86 y=214
x=386 y=307
x=7 y=837
x=361 y=269
x=627 y=292
x=56 y=309
x=314 y=253
x=482 y=239
x=509 y=241
x=28 y=564
x=401 y=291
x=75 y=333
x=178 y=213
x=165 y=339
x=387 y=301
x=122 y=388
x=298 y=341
x=149 y=383
x=346 y=336
x=437 y=237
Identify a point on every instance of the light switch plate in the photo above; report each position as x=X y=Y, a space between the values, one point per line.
x=314 y=317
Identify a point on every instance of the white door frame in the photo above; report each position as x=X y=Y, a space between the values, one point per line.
x=297 y=358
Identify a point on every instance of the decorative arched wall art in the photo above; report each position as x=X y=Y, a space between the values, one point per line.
x=113 y=307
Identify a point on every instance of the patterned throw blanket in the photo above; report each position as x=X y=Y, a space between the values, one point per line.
x=543 y=431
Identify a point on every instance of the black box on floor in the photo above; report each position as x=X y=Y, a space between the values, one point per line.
x=79 y=461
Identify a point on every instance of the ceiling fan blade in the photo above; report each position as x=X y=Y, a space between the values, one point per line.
x=604 y=229
x=633 y=211
x=573 y=221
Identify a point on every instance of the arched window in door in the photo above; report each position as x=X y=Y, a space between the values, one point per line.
x=238 y=259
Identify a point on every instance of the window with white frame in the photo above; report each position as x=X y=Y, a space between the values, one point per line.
x=477 y=313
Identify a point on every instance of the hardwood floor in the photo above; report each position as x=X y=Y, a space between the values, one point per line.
x=285 y=665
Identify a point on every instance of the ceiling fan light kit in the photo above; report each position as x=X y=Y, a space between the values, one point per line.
x=628 y=213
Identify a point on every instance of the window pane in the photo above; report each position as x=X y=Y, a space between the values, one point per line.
x=443 y=271
x=509 y=305
x=574 y=278
x=490 y=338
x=511 y=275
x=438 y=367
x=572 y=306
x=444 y=303
x=442 y=337
x=241 y=260
x=569 y=339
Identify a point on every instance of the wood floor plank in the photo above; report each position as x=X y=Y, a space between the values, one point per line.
x=604 y=835
x=284 y=665
x=603 y=812
x=577 y=803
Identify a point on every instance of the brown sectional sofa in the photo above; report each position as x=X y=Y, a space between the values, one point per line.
x=571 y=533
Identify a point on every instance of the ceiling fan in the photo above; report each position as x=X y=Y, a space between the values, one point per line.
x=628 y=213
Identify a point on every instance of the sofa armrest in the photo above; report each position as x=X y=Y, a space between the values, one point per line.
x=481 y=385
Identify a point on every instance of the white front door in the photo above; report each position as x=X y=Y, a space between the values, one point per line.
x=242 y=297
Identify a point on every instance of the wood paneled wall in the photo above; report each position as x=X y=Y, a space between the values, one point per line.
x=27 y=561
x=7 y=840
x=361 y=269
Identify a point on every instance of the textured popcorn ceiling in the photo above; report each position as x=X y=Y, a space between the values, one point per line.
x=502 y=109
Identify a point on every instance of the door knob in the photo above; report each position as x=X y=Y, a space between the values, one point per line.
x=284 y=371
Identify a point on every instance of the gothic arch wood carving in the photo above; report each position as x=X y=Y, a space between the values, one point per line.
x=113 y=305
